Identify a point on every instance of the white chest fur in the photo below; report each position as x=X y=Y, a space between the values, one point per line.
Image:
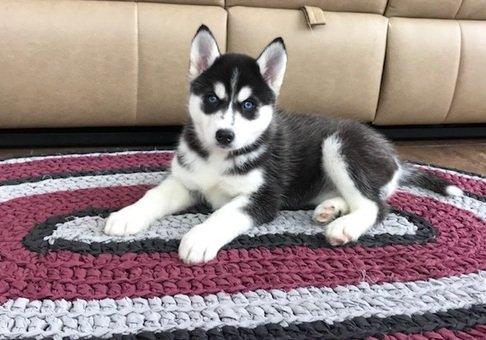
x=209 y=177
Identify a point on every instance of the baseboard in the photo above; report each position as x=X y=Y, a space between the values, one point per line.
x=167 y=135
x=75 y=137
x=439 y=131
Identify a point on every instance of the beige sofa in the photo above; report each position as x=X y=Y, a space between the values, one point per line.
x=77 y=63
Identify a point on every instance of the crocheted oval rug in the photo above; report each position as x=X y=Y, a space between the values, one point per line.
x=420 y=274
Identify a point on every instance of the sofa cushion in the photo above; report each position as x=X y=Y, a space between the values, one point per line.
x=443 y=9
x=180 y=2
x=363 y=6
x=332 y=69
x=469 y=103
x=472 y=9
x=423 y=8
x=420 y=71
x=67 y=63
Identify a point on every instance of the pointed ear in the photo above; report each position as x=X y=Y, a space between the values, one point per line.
x=204 y=51
x=272 y=62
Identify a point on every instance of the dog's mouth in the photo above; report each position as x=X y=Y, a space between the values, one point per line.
x=226 y=147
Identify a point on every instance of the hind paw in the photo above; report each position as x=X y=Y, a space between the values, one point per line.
x=343 y=230
x=330 y=210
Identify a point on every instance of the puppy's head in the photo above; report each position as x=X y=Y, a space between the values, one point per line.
x=232 y=96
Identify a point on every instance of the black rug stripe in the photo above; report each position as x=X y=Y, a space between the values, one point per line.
x=475 y=196
x=35 y=242
x=356 y=328
x=132 y=170
x=464 y=172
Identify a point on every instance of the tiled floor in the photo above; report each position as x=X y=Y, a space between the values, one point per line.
x=467 y=155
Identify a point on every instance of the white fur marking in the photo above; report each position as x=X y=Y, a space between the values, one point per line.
x=392 y=186
x=453 y=190
x=363 y=211
x=203 y=241
x=220 y=90
x=247 y=184
x=248 y=131
x=168 y=197
x=244 y=94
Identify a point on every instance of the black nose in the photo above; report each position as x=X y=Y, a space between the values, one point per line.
x=225 y=136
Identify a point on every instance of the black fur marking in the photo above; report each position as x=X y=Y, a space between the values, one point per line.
x=35 y=241
x=249 y=148
x=212 y=108
x=193 y=142
x=295 y=164
x=368 y=156
x=419 y=178
x=249 y=165
x=222 y=71
x=181 y=159
x=204 y=28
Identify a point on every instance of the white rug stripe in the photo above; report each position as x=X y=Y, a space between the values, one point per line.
x=103 y=318
x=89 y=229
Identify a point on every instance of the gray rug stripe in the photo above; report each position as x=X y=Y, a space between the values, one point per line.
x=103 y=318
x=90 y=228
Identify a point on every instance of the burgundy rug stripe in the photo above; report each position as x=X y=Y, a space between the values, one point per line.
x=458 y=250
x=477 y=332
x=468 y=184
x=37 y=208
x=52 y=166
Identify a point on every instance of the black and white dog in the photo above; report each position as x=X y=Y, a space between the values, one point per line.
x=248 y=160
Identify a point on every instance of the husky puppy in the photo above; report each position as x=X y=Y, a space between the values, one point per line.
x=248 y=159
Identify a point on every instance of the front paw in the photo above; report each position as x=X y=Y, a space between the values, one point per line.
x=127 y=221
x=199 y=245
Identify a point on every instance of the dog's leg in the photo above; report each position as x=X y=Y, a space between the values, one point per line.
x=168 y=197
x=364 y=211
x=203 y=241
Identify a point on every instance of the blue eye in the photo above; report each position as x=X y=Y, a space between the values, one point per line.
x=248 y=105
x=212 y=99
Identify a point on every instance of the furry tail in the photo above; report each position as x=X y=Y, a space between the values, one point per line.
x=413 y=176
